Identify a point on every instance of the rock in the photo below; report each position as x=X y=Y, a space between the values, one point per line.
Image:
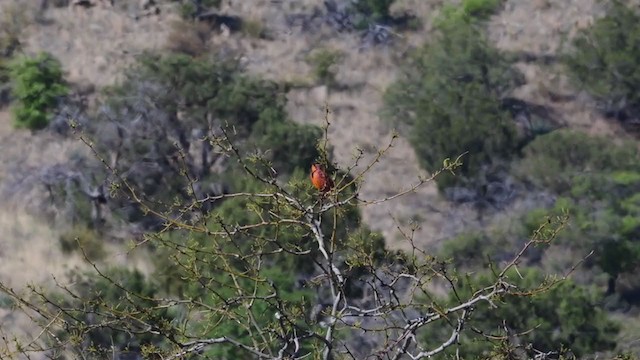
x=83 y=3
x=147 y=4
x=233 y=23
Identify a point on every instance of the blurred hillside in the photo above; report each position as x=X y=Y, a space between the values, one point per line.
x=94 y=44
x=320 y=55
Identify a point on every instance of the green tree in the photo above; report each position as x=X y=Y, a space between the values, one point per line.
x=562 y=319
x=376 y=9
x=38 y=84
x=289 y=146
x=564 y=158
x=323 y=62
x=599 y=183
x=604 y=60
x=96 y=326
x=171 y=110
x=276 y=270
x=468 y=11
x=474 y=250
x=450 y=102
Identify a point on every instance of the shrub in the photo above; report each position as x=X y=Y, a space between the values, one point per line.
x=377 y=9
x=600 y=184
x=480 y=8
x=450 y=102
x=83 y=240
x=289 y=145
x=189 y=9
x=278 y=271
x=189 y=37
x=323 y=62
x=564 y=318
x=605 y=60
x=96 y=328
x=473 y=250
x=468 y=11
x=37 y=86
x=176 y=103
x=562 y=159
x=254 y=28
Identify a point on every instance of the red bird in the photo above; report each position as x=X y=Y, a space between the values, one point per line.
x=320 y=179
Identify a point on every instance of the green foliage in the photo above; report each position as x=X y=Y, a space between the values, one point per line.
x=99 y=298
x=605 y=58
x=367 y=248
x=480 y=8
x=37 y=85
x=473 y=250
x=83 y=240
x=202 y=87
x=292 y=301
x=254 y=28
x=228 y=278
x=165 y=100
x=449 y=101
x=467 y=12
x=248 y=210
x=288 y=145
x=188 y=9
x=565 y=317
x=599 y=182
x=625 y=356
x=376 y=9
x=560 y=159
x=608 y=230
x=323 y=62
x=258 y=261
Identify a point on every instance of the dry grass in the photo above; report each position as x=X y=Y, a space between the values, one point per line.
x=23 y=156
x=629 y=338
x=188 y=37
x=541 y=26
x=29 y=254
x=30 y=251
x=95 y=44
x=544 y=27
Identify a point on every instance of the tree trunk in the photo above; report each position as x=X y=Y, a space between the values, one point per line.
x=611 y=285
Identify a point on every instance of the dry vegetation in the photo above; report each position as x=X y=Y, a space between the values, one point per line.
x=95 y=44
x=544 y=34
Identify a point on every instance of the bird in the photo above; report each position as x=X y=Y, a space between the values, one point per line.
x=320 y=179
